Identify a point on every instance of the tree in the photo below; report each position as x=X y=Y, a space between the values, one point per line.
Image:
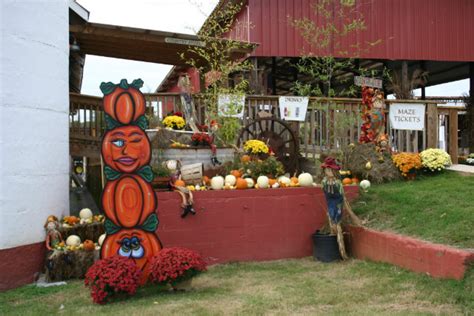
x=216 y=61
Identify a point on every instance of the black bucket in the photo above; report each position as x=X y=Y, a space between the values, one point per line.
x=325 y=247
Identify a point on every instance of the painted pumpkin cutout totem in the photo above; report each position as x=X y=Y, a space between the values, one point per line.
x=128 y=200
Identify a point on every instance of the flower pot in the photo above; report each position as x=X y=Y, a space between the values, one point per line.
x=325 y=247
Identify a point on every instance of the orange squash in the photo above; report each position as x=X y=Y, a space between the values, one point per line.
x=241 y=184
x=206 y=180
x=236 y=173
x=124 y=105
x=271 y=181
x=147 y=246
x=294 y=180
x=128 y=201
x=245 y=158
x=126 y=149
x=88 y=245
x=347 y=181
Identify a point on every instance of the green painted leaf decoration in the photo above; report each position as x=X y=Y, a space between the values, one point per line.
x=111 y=174
x=137 y=84
x=110 y=123
x=123 y=84
x=141 y=122
x=146 y=173
x=151 y=223
x=110 y=227
x=107 y=87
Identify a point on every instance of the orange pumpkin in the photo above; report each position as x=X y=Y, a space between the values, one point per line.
x=128 y=201
x=179 y=183
x=126 y=149
x=121 y=243
x=206 y=180
x=88 y=245
x=355 y=180
x=125 y=105
x=241 y=184
x=347 y=181
x=271 y=181
x=294 y=180
x=71 y=220
x=245 y=158
x=236 y=173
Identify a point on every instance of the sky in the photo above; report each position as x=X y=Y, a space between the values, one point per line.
x=180 y=16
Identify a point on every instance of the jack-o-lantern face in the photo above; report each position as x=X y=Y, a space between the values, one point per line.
x=125 y=105
x=126 y=149
x=128 y=201
x=135 y=244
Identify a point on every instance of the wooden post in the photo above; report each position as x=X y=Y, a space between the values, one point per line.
x=432 y=125
x=274 y=70
x=453 y=135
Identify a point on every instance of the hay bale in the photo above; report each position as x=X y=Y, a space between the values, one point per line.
x=383 y=169
x=84 y=231
x=65 y=265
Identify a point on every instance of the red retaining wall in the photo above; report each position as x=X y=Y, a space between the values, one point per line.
x=19 y=265
x=436 y=260
x=242 y=225
x=230 y=225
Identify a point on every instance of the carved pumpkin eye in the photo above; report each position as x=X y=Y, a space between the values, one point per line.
x=118 y=143
x=124 y=249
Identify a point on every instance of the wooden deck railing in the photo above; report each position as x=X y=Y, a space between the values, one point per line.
x=330 y=123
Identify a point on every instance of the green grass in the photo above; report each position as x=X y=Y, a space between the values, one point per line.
x=438 y=208
x=283 y=287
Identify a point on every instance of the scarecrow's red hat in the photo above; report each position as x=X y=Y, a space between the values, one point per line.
x=330 y=162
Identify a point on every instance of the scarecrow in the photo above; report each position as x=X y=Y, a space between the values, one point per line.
x=186 y=194
x=334 y=193
x=53 y=236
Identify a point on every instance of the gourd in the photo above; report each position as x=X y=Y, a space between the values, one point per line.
x=365 y=185
x=284 y=180
x=217 y=183
x=262 y=182
x=73 y=240
x=347 y=181
x=88 y=245
x=85 y=213
x=271 y=182
x=101 y=239
x=206 y=180
x=305 y=179
x=241 y=184
x=230 y=180
x=250 y=182
x=236 y=173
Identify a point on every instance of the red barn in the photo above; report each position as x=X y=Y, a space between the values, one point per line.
x=434 y=35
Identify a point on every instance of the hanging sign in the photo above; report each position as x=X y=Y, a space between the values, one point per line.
x=231 y=105
x=367 y=82
x=407 y=116
x=293 y=108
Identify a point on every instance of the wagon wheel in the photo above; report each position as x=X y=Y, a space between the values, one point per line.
x=278 y=135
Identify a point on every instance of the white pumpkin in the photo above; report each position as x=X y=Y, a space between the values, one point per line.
x=172 y=165
x=305 y=179
x=217 y=183
x=85 y=213
x=230 y=180
x=73 y=241
x=262 y=182
x=276 y=185
x=284 y=180
x=101 y=239
x=250 y=182
x=365 y=185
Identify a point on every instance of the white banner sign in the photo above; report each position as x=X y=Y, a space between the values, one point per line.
x=407 y=116
x=231 y=105
x=293 y=108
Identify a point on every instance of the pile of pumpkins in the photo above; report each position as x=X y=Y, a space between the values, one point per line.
x=347 y=180
x=73 y=243
x=235 y=181
x=85 y=217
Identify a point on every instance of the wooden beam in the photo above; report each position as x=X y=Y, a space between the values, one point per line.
x=432 y=125
x=453 y=135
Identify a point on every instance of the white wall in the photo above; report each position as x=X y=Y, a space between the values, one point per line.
x=34 y=109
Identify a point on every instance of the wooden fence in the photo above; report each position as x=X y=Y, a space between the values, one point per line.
x=330 y=123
